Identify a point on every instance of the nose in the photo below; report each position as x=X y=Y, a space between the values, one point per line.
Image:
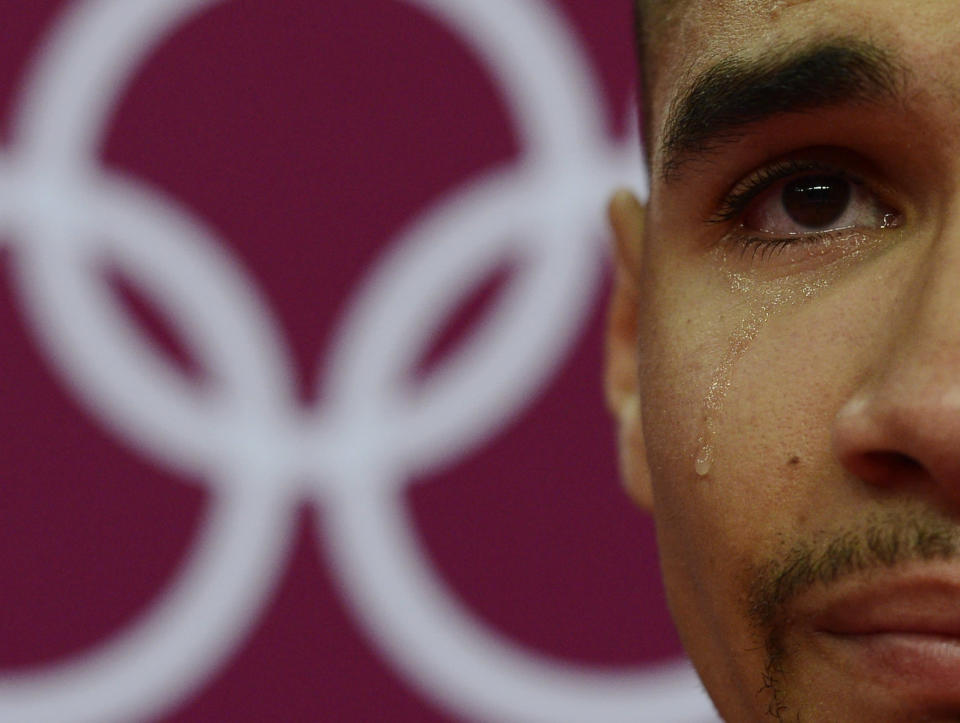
x=903 y=425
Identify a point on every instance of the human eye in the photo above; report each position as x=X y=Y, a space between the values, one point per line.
x=801 y=203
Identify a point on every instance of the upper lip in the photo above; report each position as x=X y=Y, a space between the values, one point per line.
x=919 y=599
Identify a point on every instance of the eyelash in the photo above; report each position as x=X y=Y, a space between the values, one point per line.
x=738 y=200
x=770 y=246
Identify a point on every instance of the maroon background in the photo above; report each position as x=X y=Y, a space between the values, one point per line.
x=299 y=131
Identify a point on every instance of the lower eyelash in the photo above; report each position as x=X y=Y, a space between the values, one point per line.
x=766 y=246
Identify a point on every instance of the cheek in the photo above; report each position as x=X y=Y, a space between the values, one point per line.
x=679 y=349
x=682 y=344
x=774 y=476
x=710 y=528
x=758 y=400
x=774 y=450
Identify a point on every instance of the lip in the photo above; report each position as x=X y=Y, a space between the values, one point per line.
x=921 y=603
x=898 y=628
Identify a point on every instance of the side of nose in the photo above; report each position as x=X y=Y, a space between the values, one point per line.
x=902 y=427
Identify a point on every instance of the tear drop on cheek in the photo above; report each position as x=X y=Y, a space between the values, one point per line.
x=740 y=341
x=704 y=461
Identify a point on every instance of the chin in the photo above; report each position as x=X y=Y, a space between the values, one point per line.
x=863 y=677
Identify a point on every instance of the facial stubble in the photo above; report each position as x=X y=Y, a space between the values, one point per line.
x=880 y=541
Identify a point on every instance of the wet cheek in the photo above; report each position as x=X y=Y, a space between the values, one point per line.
x=682 y=342
x=774 y=440
x=702 y=374
x=694 y=351
x=705 y=461
x=672 y=388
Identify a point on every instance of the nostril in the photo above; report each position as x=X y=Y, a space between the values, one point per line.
x=900 y=434
x=887 y=466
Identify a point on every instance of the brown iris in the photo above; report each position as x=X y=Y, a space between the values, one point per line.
x=816 y=201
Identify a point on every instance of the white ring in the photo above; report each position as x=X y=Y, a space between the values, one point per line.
x=246 y=435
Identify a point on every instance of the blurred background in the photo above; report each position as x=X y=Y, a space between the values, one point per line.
x=302 y=308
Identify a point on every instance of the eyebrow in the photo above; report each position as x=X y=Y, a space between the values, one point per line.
x=738 y=92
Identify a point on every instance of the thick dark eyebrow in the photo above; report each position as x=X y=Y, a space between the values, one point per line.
x=737 y=92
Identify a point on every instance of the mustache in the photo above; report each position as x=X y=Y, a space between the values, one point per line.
x=880 y=540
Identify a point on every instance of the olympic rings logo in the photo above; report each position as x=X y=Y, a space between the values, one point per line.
x=247 y=436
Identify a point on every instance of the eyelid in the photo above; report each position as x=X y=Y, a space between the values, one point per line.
x=739 y=197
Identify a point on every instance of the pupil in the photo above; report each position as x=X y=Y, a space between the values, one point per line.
x=816 y=201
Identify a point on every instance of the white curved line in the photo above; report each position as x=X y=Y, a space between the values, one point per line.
x=535 y=59
x=84 y=64
x=182 y=638
x=474 y=670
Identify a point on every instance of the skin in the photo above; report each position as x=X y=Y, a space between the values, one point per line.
x=839 y=370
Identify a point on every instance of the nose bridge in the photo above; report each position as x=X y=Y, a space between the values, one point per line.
x=923 y=364
x=906 y=416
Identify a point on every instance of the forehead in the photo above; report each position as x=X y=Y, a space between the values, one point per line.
x=688 y=31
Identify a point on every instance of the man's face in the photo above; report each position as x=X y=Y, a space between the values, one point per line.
x=796 y=294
